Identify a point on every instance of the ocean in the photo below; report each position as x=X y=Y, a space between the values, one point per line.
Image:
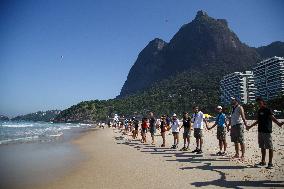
x=34 y=153
x=23 y=132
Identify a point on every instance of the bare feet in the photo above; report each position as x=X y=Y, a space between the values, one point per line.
x=236 y=156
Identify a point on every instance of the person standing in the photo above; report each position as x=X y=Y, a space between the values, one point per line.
x=186 y=125
x=144 y=127
x=163 y=129
x=237 y=122
x=152 y=122
x=136 y=128
x=221 y=130
x=198 y=121
x=264 y=122
x=175 y=131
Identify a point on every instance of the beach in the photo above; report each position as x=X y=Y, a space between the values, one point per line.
x=113 y=160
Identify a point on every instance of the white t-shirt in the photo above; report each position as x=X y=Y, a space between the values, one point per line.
x=175 y=126
x=197 y=120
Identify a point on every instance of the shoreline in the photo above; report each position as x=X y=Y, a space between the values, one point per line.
x=114 y=161
x=32 y=164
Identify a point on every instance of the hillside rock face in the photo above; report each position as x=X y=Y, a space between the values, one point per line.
x=274 y=49
x=205 y=45
x=147 y=68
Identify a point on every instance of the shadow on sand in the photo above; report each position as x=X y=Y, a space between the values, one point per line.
x=188 y=157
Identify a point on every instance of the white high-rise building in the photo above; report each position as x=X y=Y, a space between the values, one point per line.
x=238 y=84
x=269 y=77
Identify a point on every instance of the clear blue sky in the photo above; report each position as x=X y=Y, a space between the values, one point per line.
x=56 y=53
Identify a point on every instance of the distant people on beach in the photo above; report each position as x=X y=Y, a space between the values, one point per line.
x=144 y=128
x=222 y=128
x=237 y=122
x=264 y=121
x=198 y=120
x=186 y=125
x=136 y=128
x=152 y=125
x=175 y=131
x=163 y=126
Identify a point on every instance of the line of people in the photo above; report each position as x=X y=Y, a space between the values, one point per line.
x=236 y=126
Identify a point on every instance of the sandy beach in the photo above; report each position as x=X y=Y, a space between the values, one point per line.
x=115 y=161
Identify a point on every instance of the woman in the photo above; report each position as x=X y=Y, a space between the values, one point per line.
x=145 y=125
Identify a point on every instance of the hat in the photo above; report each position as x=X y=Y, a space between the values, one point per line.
x=174 y=115
x=219 y=107
x=235 y=98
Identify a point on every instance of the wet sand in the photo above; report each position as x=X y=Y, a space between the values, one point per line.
x=25 y=165
x=116 y=161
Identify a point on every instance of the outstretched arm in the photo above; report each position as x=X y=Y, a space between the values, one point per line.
x=243 y=116
x=252 y=125
x=276 y=121
x=205 y=122
x=209 y=128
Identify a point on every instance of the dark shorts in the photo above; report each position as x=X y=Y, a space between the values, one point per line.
x=265 y=140
x=152 y=131
x=175 y=133
x=237 y=133
x=221 y=133
x=186 y=134
x=198 y=133
x=144 y=130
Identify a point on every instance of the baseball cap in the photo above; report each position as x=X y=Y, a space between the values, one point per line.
x=174 y=115
x=219 y=107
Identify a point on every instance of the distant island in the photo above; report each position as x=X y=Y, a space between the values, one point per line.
x=45 y=116
x=4 y=118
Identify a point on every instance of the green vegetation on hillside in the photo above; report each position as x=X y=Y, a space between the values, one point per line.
x=38 y=116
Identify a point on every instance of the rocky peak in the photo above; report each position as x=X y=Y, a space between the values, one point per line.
x=201 y=14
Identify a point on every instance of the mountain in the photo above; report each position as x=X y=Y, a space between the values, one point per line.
x=205 y=45
x=274 y=49
x=171 y=77
x=4 y=118
x=38 y=116
x=146 y=67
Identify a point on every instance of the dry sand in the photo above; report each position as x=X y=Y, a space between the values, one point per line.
x=114 y=161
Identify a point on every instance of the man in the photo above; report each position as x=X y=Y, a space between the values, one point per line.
x=136 y=127
x=152 y=122
x=221 y=130
x=264 y=122
x=237 y=122
x=163 y=130
x=175 y=131
x=197 y=120
x=186 y=125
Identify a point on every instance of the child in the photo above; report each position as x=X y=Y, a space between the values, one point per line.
x=221 y=130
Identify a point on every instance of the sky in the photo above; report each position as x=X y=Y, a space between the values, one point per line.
x=57 y=53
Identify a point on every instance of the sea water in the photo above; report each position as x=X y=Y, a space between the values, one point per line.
x=22 y=132
x=34 y=153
